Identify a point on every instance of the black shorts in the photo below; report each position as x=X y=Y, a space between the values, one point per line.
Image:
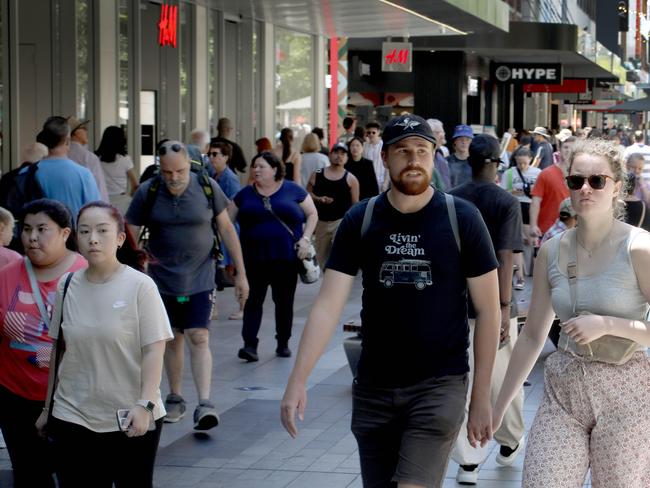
x=189 y=312
x=525 y=212
x=405 y=435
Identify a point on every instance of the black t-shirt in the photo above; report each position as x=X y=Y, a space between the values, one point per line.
x=501 y=212
x=414 y=303
x=634 y=212
x=365 y=173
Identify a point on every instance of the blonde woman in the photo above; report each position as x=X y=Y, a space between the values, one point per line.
x=596 y=386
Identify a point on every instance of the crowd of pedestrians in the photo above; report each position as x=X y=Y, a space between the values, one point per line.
x=106 y=278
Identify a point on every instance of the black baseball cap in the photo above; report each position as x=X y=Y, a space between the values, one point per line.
x=404 y=126
x=339 y=146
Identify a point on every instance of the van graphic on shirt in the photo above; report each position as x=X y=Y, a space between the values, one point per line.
x=407 y=272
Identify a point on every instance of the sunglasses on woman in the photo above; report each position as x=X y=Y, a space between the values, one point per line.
x=597 y=182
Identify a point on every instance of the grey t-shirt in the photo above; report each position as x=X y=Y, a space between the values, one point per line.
x=180 y=236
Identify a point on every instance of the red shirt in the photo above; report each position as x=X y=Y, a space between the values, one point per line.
x=551 y=188
x=25 y=346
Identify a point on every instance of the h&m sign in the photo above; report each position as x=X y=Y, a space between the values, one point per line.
x=547 y=73
x=397 y=57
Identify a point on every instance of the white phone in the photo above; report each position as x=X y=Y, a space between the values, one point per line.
x=122 y=414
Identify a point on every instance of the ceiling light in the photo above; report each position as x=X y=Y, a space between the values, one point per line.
x=424 y=17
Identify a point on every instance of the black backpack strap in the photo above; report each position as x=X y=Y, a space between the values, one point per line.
x=208 y=191
x=367 y=215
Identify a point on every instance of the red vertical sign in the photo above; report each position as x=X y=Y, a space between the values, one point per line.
x=167 y=25
x=334 y=91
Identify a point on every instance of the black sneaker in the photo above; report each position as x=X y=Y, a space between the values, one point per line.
x=249 y=354
x=283 y=352
x=205 y=416
x=175 y=407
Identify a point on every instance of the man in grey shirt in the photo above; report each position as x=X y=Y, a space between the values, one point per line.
x=80 y=154
x=181 y=240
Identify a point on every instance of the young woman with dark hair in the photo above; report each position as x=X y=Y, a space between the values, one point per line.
x=288 y=156
x=117 y=166
x=114 y=328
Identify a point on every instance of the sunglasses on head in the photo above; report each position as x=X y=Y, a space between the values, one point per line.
x=597 y=182
x=176 y=147
x=214 y=154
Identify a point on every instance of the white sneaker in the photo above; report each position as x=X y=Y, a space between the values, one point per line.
x=508 y=455
x=467 y=476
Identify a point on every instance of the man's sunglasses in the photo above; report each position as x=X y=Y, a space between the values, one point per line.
x=176 y=147
x=214 y=154
x=597 y=182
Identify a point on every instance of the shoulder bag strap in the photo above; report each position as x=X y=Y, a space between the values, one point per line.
x=36 y=292
x=453 y=218
x=642 y=214
x=59 y=346
x=267 y=205
x=523 y=180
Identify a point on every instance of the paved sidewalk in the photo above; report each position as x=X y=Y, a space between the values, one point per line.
x=250 y=449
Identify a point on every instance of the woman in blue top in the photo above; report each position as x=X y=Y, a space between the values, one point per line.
x=262 y=210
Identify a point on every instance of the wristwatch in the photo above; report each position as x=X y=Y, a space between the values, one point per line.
x=148 y=405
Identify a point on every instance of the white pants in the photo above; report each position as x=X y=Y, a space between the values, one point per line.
x=512 y=427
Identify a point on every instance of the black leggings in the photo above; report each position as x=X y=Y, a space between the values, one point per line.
x=282 y=277
x=99 y=459
x=31 y=455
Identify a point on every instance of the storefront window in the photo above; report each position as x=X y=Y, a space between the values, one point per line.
x=293 y=82
x=83 y=21
x=3 y=136
x=123 y=53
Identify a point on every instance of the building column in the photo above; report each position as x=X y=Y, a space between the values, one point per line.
x=106 y=65
x=200 y=68
x=246 y=79
x=267 y=86
x=318 y=106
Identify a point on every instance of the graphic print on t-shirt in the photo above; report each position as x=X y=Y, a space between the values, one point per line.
x=27 y=331
x=414 y=272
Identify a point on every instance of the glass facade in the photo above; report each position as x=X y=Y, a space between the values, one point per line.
x=84 y=45
x=293 y=82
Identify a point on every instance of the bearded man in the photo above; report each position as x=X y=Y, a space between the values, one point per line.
x=420 y=251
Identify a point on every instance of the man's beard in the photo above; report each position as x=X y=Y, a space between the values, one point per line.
x=411 y=187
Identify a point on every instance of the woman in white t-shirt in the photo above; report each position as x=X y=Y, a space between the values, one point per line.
x=117 y=167
x=114 y=328
x=519 y=180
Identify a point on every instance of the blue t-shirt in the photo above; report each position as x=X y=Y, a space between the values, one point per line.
x=263 y=238
x=229 y=183
x=414 y=303
x=68 y=182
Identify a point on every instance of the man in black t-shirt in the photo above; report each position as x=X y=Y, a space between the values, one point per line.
x=410 y=391
x=502 y=215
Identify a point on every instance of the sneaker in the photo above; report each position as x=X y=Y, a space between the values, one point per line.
x=508 y=455
x=249 y=354
x=175 y=406
x=205 y=416
x=467 y=475
x=520 y=284
x=283 y=352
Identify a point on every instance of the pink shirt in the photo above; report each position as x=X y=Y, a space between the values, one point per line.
x=25 y=345
x=7 y=256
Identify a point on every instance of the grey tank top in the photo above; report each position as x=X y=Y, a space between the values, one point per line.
x=614 y=292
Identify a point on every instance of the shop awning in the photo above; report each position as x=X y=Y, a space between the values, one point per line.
x=638 y=105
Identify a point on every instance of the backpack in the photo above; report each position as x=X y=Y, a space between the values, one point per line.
x=451 y=213
x=22 y=188
x=152 y=194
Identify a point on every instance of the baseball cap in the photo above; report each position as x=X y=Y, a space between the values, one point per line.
x=75 y=123
x=566 y=208
x=462 y=131
x=404 y=126
x=484 y=149
x=339 y=146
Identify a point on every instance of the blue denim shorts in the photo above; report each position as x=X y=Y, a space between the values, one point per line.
x=189 y=312
x=405 y=435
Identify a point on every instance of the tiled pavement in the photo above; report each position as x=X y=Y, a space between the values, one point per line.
x=250 y=449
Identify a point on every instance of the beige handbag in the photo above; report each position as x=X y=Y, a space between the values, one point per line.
x=606 y=349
